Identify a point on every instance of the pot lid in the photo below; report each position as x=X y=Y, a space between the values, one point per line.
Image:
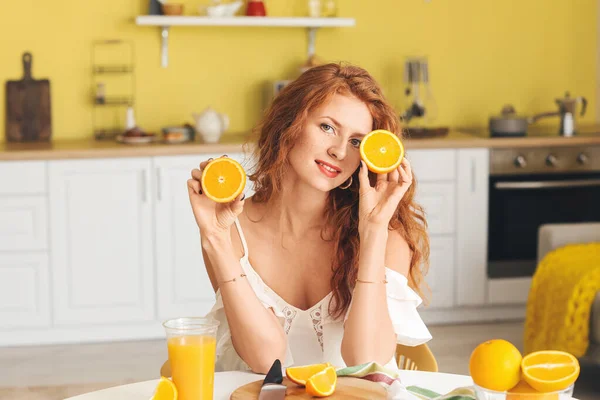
x=508 y=113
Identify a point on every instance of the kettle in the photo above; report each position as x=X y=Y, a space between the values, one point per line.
x=567 y=109
x=211 y=124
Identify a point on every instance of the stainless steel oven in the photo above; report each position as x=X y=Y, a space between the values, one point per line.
x=533 y=186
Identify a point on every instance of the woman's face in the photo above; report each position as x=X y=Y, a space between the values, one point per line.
x=327 y=152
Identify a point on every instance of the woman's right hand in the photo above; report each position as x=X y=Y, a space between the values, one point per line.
x=213 y=218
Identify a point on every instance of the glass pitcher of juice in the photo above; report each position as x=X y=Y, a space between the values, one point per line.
x=192 y=349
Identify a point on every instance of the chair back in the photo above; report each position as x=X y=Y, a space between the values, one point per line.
x=165 y=370
x=416 y=358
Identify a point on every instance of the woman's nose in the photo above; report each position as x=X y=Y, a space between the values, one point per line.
x=337 y=151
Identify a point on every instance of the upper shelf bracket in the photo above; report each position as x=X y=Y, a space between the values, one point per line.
x=312 y=39
x=164 y=47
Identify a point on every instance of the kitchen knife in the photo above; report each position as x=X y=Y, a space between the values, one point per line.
x=272 y=389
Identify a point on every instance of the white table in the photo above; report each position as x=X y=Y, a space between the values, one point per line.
x=227 y=382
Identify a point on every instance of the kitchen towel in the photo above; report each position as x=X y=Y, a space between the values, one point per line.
x=390 y=379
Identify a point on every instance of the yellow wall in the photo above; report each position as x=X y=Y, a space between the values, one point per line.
x=482 y=54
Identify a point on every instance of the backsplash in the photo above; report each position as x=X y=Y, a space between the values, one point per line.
x=481 y=55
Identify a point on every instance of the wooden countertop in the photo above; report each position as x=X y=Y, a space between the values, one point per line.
x=90 y=148
x=232 y=143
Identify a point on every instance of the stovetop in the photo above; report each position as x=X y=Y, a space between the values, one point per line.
x=550 y=160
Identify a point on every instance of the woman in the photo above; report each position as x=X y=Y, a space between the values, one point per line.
x=315 y=267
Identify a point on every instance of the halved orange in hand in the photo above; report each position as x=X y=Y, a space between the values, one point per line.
x=165 y=390
x=223 y=180
x=300 y=374
x=382 y=151
x=550 y=370
x=322 y=384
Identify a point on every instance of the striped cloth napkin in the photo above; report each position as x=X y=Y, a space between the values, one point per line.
x=390 y=379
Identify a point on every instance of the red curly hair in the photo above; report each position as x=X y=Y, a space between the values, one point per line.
x=280 y=129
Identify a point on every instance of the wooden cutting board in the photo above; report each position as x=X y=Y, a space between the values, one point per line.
x=28 y=117
x=346 y=388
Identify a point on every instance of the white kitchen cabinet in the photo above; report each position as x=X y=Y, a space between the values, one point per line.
x=184 y=288
x=24 y=275
x=23 y=177
x=440 y=277
x=23 y=223
x=182 y=282
x=472 y=226
x=24 y=298
x=502 y=291
x=435 y=174
x=438 y=202
x=106 y=249
x=433 y=165
x=101 y=248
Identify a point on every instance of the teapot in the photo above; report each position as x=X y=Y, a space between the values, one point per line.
x=211 y=124
x=222 y=10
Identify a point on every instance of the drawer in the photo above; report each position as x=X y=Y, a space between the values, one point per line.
x=438 y=201
x=23 y=223
x=505 y=291
x=432 y=165
x=24 y=290
x=23 y=177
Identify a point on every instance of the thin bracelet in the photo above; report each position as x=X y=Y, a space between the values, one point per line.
x=361 y=281
x=234 y=279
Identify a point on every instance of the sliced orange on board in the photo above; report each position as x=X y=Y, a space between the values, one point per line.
x=165 y=390
x=322 y=384
x=550 y=370
x=302 y=373
x=223 y=179
x=382 y=151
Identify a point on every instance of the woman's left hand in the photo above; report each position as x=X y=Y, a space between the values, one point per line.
x=378 y=204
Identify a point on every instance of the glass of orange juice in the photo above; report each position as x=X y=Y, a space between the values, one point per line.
x=192 y=350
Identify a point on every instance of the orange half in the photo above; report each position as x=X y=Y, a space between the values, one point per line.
x=165 y=390
x=300 y=374
x=382 y=151
x=223 y=180
x=550 y=370
x=322 y=384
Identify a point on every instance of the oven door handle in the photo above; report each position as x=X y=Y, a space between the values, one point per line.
x=546 y=184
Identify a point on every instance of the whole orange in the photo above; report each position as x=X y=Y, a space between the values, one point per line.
x=496 y=365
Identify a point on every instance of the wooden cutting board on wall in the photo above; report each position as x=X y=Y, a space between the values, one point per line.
x=347 y=388
x=28 y=112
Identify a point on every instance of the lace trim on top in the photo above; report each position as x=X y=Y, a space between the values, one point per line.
x=316 y=317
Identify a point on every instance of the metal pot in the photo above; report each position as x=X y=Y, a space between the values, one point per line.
x=508 y=123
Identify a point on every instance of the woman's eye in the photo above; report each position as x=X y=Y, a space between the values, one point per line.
x=327 y=128
x=355 y=142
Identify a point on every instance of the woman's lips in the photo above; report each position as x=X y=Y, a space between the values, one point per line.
x=327 y=170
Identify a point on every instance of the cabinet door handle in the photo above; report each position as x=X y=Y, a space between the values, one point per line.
x=578 y=183
x=158 y=185
x=144 y=186
x=473 y=176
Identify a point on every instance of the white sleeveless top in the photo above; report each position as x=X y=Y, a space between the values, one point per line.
x=313 y=336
